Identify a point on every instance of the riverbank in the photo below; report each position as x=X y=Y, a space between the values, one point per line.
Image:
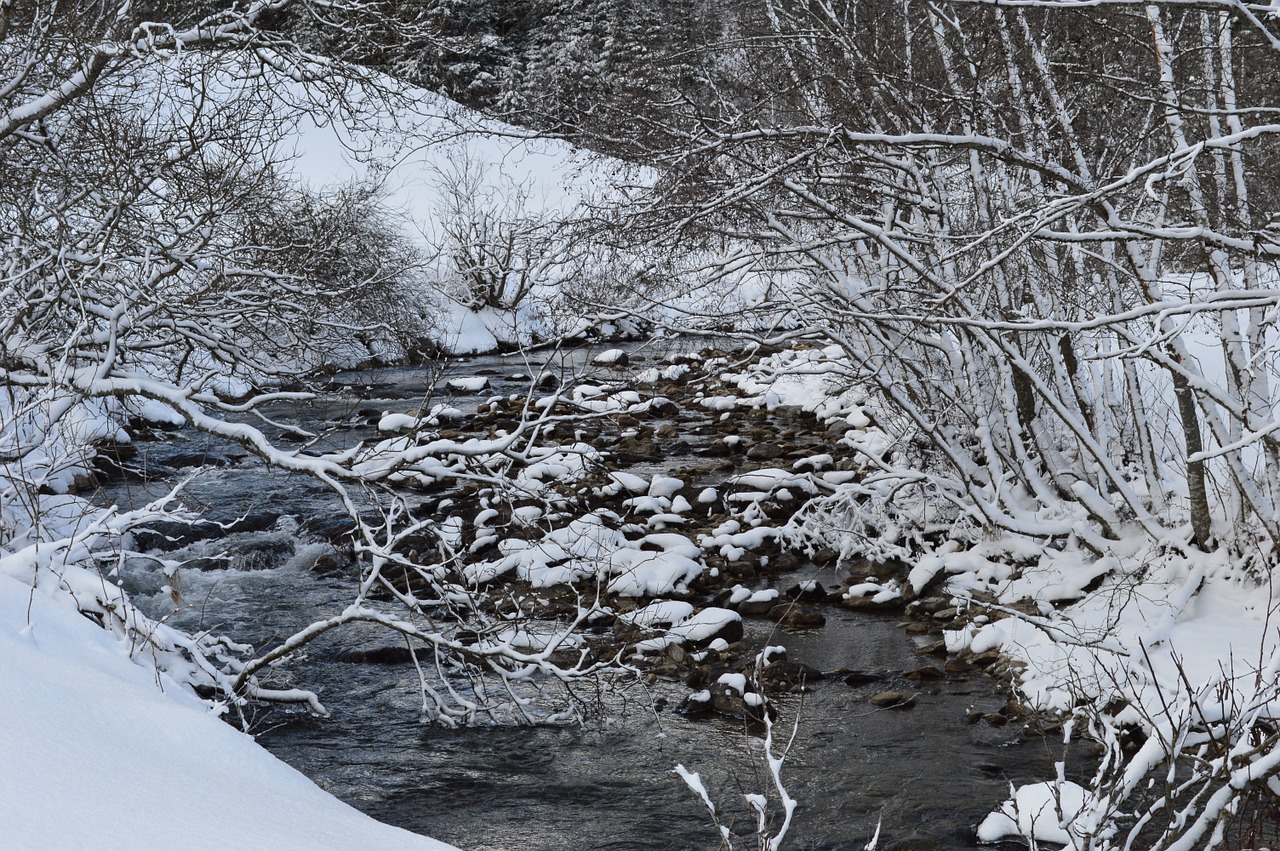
x=94 y=755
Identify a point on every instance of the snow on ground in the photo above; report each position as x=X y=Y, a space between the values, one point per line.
x=95 y=753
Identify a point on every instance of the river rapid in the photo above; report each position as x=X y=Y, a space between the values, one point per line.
x=927 y=774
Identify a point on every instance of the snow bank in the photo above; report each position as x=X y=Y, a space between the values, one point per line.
x=1040 y=811
x=94 y=754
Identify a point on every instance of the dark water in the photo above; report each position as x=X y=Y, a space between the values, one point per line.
x=609 y=783
x=928 y=773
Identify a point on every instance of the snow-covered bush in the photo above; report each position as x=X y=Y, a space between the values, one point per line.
x=1053 y=296
x=1066 y=326
x=497 y=247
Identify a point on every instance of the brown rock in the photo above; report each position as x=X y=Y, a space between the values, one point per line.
x=793 y=616
x=893 y=700
x=764 y=452
x=926 y=674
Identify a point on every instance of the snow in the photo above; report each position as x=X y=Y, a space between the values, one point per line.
x=737 y=682
x=470 y=384
x=682 y=624
x=664 y=487
x=660 y=613
x=629 y=482
x=704 y=624
x=95 y=753
x=440 y=160
x=646 y=574
x=397 y=422
x=609 y=357
x=1041 y=811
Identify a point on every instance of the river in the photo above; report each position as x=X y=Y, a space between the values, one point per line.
x=927 y=773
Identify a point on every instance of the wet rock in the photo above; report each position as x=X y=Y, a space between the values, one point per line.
x=698 y=703
x=377 y=656
x=934 y=648
x=746 y=706
x=259 y=554
x=756 y=608
x=957 y=667
x=926 y=674
x=879 y=571
x=764 y=452
x=331 y=563
x=925 y=606
x=1012 y=709
x=810 y=591
x=793 y=616
x=784 y=561
x=893 y=700
x=663 y=407
x=665 y=666
x=870 y=604
x=718 y=449
x=857 y=679
x=984 y=659
x=825 y=557
x=333 y=528
x=211 y=458
x=252 y=522
x=162 y=535
x=631 y=450
x=785 y=675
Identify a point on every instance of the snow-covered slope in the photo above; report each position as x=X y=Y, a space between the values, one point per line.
x=94 y=755
x=442 y=166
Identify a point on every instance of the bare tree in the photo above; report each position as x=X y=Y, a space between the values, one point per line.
x=155 y=258
x=1013 y=274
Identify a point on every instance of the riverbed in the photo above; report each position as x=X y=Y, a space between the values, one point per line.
x=927 y=774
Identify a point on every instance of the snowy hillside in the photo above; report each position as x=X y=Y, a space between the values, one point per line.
x=465 y=186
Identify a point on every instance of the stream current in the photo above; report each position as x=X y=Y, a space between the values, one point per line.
x=927 y=774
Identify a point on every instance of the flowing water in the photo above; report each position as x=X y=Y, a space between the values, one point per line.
x=927 y=773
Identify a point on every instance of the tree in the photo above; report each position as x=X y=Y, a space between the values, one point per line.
x=156 y=261
x=1014 y=272
x=1043 y=235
